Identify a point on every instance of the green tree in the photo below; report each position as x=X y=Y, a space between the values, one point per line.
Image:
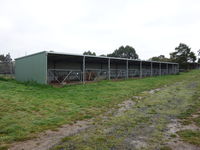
x=198 y=55
x=89 y=53
x=6 y=58
x=125 y=52
x=2 y=58
x=192 y=57
x=159 y=58
x=183 y=55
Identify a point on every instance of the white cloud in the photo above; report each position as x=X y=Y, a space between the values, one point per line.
x=152 y=27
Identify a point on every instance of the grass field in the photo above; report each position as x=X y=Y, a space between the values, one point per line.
x=27 y=109
x=145 y=125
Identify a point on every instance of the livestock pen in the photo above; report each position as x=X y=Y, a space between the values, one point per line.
x=62 y=68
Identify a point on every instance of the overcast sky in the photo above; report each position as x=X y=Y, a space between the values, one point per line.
x=152 y=27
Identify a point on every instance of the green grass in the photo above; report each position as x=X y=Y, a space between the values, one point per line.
x=192 y=137
x=165 y=148
x=28 y=108
x=146 y=121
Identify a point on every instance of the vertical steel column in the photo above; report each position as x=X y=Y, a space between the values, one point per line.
x=83 y=69
x=172 y=68
x=177 y=68
x=167 y=67
x=151 y=69
x=108 y=68
x=127 y=69
x=160 y=71
x=10 y=67
x=140 y=69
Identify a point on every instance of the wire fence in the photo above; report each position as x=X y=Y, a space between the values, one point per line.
x=64 y=76
x=133 y=73
x=7 y=68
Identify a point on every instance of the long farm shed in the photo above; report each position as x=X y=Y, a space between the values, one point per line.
x=60 y=68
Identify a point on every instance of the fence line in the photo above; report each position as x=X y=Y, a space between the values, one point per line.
x=7 y=68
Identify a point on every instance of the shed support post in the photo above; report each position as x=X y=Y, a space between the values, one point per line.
x=10 y=68
x=167 y=68
x=126 y=69
x=108 y=68
x=160 y=70
x=174 y=68
x=83 y=69
x=140 y=69
x=151 y=69
x=177 y=68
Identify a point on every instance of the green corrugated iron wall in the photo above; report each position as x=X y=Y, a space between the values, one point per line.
x=32 y=68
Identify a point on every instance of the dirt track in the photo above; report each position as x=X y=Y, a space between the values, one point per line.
x=145 y=121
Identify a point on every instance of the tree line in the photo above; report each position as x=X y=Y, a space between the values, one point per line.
x=5 y=58
x=182 y=55
x=122 y=52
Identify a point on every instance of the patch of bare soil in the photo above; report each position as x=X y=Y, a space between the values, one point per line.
x=176 y=126
x=137 y=144
x=179 y=145
x=154 y=90
x=196 y=114
x=126 y=105
x=46 y=140
x=176 y=143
